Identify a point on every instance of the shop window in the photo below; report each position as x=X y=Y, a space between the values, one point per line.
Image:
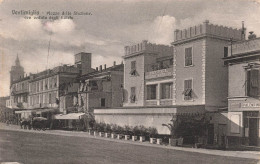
x=166 y=91
x=253 y=83
x=133 y=95
x=151 y=92
x=187 y=90
x=188 y=57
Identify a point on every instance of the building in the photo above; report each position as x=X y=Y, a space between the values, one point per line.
x=243 y=63
x=101 y=89
x=185 y=79
x=45 y=88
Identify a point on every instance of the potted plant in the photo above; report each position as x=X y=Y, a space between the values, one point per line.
x=152 y=134
x=120 y=130
x=101 y=129
x=96 y=128
x=143 y=133
x=114 y=128
x=173 y=129
x=127 y=132
x=135 y=131
x=107 y=130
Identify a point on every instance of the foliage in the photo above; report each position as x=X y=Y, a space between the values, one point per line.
x=143 y=130
x=127 y=130
x=107 y=128
x=136 y=130
x=152 y=131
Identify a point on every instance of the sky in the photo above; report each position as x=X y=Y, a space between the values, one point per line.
x=111 y=25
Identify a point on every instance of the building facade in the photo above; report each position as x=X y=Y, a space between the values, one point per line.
x=243 y=63
x=101 y=89
x=187 y=78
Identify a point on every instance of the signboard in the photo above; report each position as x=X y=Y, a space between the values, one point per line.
x=159 y=73
x=244 y=105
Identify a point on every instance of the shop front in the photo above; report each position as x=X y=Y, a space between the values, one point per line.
x=244 y=121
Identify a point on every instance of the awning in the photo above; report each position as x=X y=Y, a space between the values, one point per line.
x=70 y=116
x=39 y=111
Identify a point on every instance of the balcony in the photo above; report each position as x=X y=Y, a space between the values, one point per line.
x=161 y=102
x=159 y=73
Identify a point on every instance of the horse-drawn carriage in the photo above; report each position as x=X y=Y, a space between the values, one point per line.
x=36 y=123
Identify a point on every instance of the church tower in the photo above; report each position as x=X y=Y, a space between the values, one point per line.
x=17 y=71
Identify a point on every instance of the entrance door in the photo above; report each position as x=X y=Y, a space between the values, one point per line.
x=211 y=134
x=253 y=131
x=222 y=132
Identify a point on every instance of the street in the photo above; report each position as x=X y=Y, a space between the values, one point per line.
x=19 y=146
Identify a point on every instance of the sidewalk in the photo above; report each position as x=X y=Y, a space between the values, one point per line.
x=239 y=154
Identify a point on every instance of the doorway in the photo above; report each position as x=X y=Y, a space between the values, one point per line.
x=253 y=131
x=211 y=134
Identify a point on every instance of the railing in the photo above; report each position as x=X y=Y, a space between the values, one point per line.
x=161 y=102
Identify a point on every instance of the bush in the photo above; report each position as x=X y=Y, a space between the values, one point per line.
x=152 y=131
x=136 y=130
x=107 y=128
x=100 y=126
x=127 y=130
x=143 y=130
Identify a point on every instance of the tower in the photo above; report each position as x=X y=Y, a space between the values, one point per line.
x=83 y=62
x=17 y=71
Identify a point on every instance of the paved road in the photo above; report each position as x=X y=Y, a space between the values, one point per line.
x=18 y=146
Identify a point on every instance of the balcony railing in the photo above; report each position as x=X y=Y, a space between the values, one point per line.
x=159 y=73
x=161 y=102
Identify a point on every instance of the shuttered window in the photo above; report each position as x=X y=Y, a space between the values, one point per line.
x=188 y=56
x=253 y=82
x=133 y=96
x=187 y=89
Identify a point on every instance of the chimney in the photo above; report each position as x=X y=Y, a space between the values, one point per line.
x=100 y=68
x=105 y=67
x=243 y=32
x=114 y=63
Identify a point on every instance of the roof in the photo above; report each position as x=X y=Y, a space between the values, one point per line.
x=119 y=67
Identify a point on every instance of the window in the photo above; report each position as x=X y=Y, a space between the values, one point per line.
x=225 y=52
x=133 y=68
x=166 y=91
x=132 y=96
x=187 y=90
x=188 y=56
x=151 y=92
x=103 y=102
x=49 y=98
x=253 y=83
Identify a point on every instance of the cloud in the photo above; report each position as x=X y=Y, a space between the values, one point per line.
x=162 y=29
x=60 y=26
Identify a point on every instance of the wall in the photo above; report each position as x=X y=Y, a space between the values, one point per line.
x=134 y=81
x=117 y=80
x=237 y=79
x=216 y=77
x=193 y=72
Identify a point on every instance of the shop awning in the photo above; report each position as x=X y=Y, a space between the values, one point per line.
x=70 y=116
x=39 y=111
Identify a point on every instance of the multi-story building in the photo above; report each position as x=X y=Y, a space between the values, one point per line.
x=243 y=62
x=45 y=88
x=18 y=87
x=184 y=79
x=101 y=89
